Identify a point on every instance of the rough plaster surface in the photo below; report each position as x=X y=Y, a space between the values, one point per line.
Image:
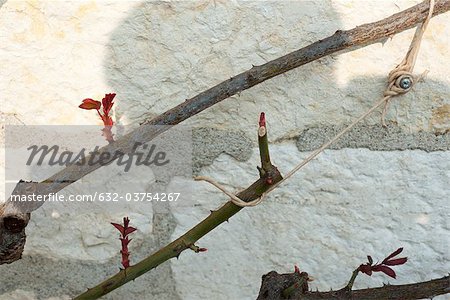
x=345 y=205
x=208 y=143
x=373 y=137
x=42 y=277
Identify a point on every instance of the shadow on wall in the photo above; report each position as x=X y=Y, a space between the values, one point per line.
x=165 y=53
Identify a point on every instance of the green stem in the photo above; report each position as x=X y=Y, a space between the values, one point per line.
x=271 y=175
x=350 y=283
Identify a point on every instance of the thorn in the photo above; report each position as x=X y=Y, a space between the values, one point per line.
x=261 y=171
x=228 y=220
x=296 y=269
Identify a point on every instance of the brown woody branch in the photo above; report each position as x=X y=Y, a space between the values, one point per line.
x=273 y=285
x=360 y=36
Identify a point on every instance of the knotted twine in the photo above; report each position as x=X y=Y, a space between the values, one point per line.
x=400 y=81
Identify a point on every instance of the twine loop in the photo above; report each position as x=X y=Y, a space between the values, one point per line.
x=400 y=82
x=233 y=197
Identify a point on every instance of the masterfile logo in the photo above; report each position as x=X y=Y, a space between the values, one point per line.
x=76 y=164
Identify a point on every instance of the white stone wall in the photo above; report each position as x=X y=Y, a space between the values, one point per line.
x=346 y=204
